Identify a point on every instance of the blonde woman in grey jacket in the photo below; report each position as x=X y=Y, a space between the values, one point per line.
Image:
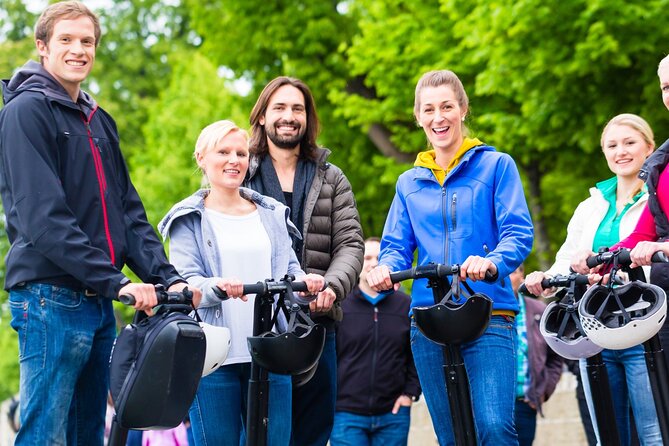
x=226 y=236
x=607 y=216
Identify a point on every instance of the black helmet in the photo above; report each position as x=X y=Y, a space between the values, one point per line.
x=303 y=378
x=453 y=322
x=293 y=352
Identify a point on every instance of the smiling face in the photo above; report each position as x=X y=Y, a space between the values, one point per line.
x=285 y=119
x=70 y=52
x=225 y=165
x=625 y=150
x=440 y=115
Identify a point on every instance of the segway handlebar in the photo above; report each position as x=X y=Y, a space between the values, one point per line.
x=623 y=257
x=432 y=271
x=267 y=287
x=558 y=281
x=184 y=297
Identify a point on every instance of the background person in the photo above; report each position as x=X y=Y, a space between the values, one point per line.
x=376 y=376
x=539 y=367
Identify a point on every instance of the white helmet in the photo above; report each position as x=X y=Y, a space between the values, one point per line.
x=622 y=317
x=218 y=345
x=561 y=329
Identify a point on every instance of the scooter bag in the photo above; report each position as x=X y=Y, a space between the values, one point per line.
x=155 y=368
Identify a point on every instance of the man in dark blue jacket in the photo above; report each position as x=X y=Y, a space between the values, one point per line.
x=376 y=376
x=74 y=220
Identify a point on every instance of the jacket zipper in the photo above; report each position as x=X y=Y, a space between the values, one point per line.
x=454 y=202
x=375 y=348
x=102 y=181
x=444 y=206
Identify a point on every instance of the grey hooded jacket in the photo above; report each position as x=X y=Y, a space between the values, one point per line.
x=193 y=247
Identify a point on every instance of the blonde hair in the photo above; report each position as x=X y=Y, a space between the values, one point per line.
x=633 y=121
x=438 y=78
x=213 y=134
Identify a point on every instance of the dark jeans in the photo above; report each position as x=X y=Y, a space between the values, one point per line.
x=314 y=402
x=526 y=423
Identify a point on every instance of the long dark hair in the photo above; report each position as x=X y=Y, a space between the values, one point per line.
x=258 y=142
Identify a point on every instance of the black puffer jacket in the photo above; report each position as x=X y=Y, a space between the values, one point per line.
x=73 y=216
x=333 y=243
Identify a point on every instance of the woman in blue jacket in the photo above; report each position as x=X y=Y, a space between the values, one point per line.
x=461 y=203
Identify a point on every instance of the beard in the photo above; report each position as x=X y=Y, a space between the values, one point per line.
x=285 y=142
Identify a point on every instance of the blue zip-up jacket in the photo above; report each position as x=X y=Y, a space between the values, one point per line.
x=194 y=250
x=480 y=210
x=73 y=216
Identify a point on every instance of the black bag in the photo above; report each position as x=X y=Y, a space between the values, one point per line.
x=155 y=368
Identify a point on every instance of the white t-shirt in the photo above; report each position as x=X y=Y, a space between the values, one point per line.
x=246 y=254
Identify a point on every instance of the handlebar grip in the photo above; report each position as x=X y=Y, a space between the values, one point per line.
x=127 y=299
x=660 y=257
x=593 y=261
x=400 y=276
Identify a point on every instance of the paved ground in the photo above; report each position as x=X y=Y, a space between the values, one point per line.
x=561 y=425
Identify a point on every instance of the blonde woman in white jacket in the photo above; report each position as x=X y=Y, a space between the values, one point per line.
x=607 y=216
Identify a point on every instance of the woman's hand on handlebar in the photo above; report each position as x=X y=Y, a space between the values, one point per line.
x=578 y=262
x=643 y=251
x=533 y=284
x=475 y=267
x=179 y=287
x=379 y=278
x=233 y=287
x=144 y=294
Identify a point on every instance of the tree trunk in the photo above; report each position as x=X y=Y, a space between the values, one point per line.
x=541 y=242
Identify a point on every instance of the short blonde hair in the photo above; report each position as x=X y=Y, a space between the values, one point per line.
x=633 y=121
x=213 y=134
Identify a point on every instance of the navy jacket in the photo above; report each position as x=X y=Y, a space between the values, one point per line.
x=73 y=216
x=374 y=361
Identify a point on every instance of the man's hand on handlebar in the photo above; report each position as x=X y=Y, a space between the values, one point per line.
x=179 y=287
x=144 y=294
x=323 y=301
x=379 y=278
x=475 y=268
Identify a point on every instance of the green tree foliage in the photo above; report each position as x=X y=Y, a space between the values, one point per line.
x=165 y=172
x=543 y=77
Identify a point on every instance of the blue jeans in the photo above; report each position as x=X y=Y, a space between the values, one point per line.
x=218 y=413
x=388 y=429
x=314 y=402
x=628 y=379
x=490 y=362
x=526 y=423
x=65 y=340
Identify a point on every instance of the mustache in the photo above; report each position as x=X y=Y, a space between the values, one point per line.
x=285 y=122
